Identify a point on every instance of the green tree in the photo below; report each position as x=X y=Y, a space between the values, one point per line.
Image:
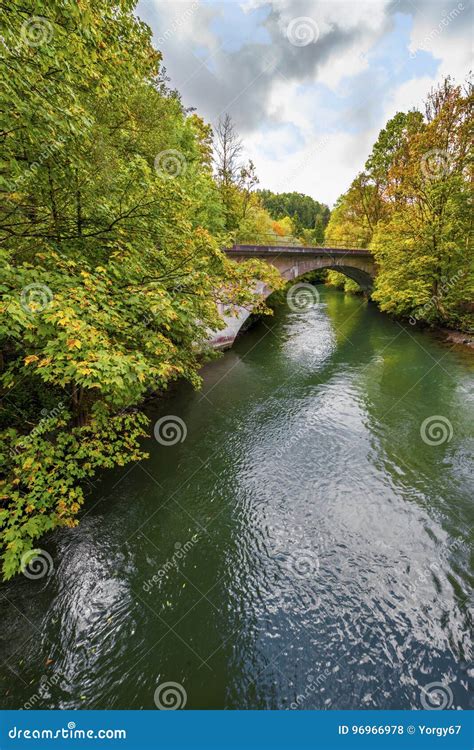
x=112 y=269
x=423 y=245
x=412 y=207
x=305 y=212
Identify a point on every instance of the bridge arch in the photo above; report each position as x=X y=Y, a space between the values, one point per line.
x=354 y=269
x=360 y=275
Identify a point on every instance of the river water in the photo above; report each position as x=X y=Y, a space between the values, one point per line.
x=303 y=547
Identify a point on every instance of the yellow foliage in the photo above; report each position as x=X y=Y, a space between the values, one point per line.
x=30 y=358
x=73 y=344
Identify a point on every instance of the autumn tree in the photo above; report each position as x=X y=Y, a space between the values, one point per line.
x=412 y=206
x=424 y=243
x=111 y=229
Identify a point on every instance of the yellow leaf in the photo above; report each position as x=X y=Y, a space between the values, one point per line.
x=73 y=343
x=31 y=358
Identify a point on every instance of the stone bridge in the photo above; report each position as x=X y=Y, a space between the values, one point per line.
x=293 y=261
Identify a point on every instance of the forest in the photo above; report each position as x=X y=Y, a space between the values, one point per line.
x=116 y=205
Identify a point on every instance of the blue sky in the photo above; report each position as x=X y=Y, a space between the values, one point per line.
x=308 y=83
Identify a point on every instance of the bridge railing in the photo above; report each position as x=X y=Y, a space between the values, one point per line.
x=273 y=240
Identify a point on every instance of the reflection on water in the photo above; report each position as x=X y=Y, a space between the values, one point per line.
x=304 y=547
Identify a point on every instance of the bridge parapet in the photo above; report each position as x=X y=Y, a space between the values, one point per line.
x=297 y=250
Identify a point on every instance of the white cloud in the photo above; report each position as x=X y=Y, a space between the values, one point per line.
x=331 y=95
x=445 y=30
x=327 y=164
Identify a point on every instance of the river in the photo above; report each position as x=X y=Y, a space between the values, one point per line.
x=305 y=546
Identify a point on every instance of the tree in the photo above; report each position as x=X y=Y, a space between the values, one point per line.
x=228 y=149
x=349 y=225
x=411 y=206
x=338 y=280
x=424 y=244
x=306 y=213
x=247 y=181
x=236 y=180
x=112 y=269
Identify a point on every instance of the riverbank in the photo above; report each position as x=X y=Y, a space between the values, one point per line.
x=459 y=338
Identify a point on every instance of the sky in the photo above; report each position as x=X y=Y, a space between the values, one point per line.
x=309 y=83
